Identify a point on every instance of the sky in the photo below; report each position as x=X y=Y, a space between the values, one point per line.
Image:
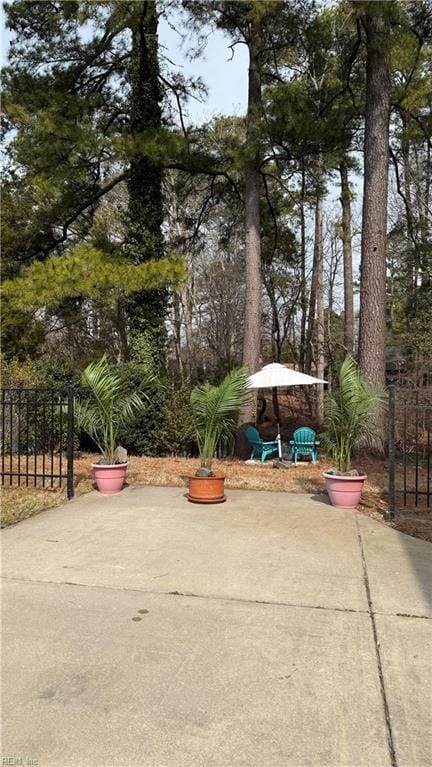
x=225 y=77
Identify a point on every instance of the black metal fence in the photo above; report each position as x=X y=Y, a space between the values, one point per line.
x=37 y=437
x=410 y=449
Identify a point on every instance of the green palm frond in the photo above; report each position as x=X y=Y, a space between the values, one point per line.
x=106 y=407
x=215 y=412
x=352 y=414
x=88 y=419
x=127 y=409
x=101 y=381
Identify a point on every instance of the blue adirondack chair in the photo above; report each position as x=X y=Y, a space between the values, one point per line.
x=304 y=442
x=260 y=449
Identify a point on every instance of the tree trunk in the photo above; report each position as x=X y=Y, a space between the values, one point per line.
x=411 y=219
x=252 y=178
x=424 y=219
x=276 y=335
x=311 y=321
x=332 y=275
x=144 y=240
x=319 y=260
x=303 y=293
x=345 y=200
x=177 y=332
x=122 y=330
x=372 y=337
x=187 y=306
x=426 y=197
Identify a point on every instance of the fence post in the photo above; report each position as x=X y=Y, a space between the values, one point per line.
x=3 y=435
x=70 y=442
x=392 y=451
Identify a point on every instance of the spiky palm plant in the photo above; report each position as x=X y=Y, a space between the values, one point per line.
x=215 y=411
x=107 y=407
x=352 y=415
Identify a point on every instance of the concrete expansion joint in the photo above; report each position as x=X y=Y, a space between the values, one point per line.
x=263 y=602
x=191 y=595
x=386 y=710
x=219 y=598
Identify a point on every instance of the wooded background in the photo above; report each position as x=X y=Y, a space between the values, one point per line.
x=191 y=249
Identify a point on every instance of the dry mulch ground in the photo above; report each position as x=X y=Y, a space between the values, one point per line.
x=19 y=503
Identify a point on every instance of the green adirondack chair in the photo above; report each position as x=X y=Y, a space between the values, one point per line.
x=260 y=449
x=304 y=442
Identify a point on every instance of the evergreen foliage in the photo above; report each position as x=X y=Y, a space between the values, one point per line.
x=144 y=218
x=86 y=272
x=101 y=185
x=82 y=99
x=165 y=427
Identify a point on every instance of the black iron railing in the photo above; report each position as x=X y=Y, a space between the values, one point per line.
x=37 y=437
x=410 y=449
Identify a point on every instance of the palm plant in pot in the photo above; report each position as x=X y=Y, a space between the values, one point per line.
x=106 y=409
x=352 y=417
x=215 y=412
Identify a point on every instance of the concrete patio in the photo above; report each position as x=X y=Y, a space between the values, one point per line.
x=270 y=631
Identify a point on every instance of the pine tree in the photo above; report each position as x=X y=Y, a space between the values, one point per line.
x=144 y=239
x=82 y=99
x=84 y=276
x=313 y=121
x=346 y=236
x=372 y=336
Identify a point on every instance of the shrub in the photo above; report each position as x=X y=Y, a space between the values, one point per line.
x=19 y=374
x=40 y=427
x=176 y=435
x=165 y=427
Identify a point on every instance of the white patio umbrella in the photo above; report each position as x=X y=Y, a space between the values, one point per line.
x=276 y=376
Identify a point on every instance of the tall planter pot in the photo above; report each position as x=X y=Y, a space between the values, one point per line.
x=207 y=489
x=344 y=492
x=110 y=477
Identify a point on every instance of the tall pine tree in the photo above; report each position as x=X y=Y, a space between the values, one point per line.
x=82 y=96
x=144 y=239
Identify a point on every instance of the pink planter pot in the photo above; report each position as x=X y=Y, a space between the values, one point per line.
x=110 y=478
x=344 y=492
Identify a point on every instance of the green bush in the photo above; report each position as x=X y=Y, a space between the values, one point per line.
x=22 y=374
x=176 y=435
x=165 y=428
x=31 y=420
x=139 y=437
x=53 y=371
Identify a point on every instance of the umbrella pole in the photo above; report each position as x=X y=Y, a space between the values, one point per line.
x=279 y=441
x=275 y=404
x=277 y=416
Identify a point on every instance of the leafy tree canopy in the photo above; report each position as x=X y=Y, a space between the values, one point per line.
x=68 y=124
x=86 y=272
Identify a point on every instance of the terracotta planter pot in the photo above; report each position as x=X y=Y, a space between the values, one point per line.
x=207 y=489
x=344 y=492
x=110 y=477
